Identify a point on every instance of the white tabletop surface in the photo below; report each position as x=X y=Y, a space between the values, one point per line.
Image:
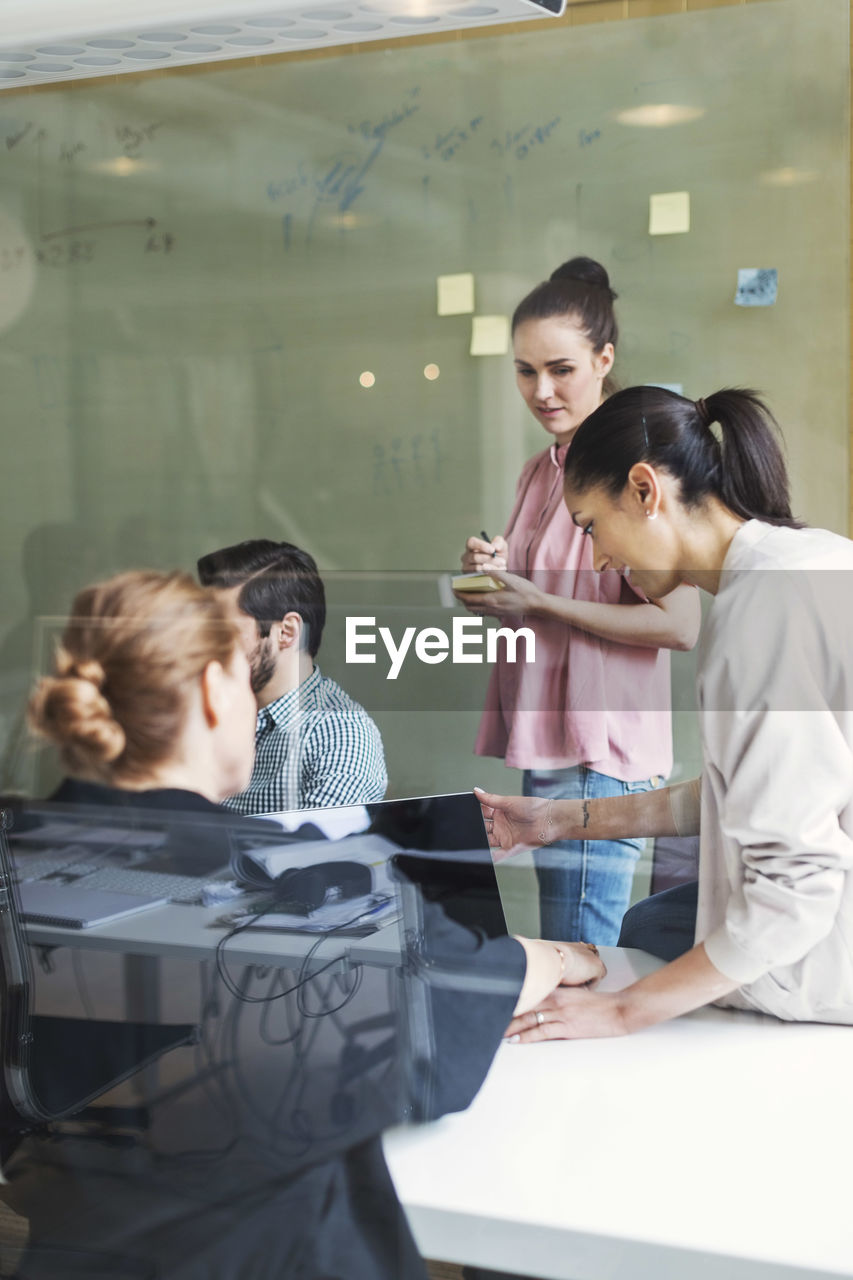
x=192 y=932
x=715 y=1147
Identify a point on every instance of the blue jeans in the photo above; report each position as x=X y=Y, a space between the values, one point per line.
x=584 y=885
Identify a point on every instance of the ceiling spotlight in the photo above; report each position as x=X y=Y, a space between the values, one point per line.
x=787 y=176
x=658 y=115
x=121 y=166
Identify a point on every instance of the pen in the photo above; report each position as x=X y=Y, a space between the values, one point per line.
x=377 y=906
x=486 y=538
x=373 y=910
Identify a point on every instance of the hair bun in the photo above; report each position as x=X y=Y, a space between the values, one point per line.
x=587 y=271
x=71 y=711
x=88 y=669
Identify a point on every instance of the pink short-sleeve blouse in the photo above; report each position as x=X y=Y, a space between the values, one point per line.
x=584 y=700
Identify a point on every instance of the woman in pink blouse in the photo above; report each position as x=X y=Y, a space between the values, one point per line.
x=591 y=717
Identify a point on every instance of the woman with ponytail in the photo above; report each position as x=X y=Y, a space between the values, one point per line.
x=591 y=717
x=697 y=492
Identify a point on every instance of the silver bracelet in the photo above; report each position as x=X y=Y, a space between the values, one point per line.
x=547 y=825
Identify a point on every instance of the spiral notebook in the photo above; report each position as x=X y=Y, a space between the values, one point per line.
x=69 y=907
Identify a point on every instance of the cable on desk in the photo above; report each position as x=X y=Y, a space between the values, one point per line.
x=303 y=978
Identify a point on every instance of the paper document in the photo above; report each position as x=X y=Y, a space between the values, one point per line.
x=757 y=287
x=334 y=823
x=351 y=912
x=371 y=850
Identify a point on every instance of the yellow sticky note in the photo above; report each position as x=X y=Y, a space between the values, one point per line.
x=490 y=335
x=669 y=213
x=456 y=294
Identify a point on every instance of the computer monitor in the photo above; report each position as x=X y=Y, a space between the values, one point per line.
x=438 y=842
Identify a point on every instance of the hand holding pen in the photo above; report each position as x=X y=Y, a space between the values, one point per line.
x=484 y=553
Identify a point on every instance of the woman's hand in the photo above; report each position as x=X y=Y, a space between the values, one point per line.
x=513 y=823
x=571 y=1013
x=579 y=1014
x=550 y=964
x=518 y=596
x=478 y=557
x=584 y=966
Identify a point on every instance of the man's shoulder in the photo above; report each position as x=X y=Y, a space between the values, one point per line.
x=343 y=751
x=339 y=723
x=334 y=700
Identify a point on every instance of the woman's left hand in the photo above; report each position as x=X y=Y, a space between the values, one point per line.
x=518 y=596
x=571 y=1013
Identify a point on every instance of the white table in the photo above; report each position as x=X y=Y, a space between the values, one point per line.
x=192 y=933
x=715 y=1147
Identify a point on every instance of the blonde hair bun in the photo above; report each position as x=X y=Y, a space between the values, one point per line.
x=134 y=648
x=70 y=710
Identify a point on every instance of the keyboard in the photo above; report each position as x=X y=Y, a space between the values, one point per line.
x=148 y=884
x=72 y=861
x=82 y=872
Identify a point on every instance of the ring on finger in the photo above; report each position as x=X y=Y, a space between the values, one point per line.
x=540 y=1017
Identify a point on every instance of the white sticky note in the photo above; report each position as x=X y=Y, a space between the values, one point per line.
x=757 y=287
x=677 y=387
x=669 y=213
x=490 y=335
x=456 y=294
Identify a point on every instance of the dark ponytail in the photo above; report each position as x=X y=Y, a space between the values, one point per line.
x=741 y=464
x=579 y=290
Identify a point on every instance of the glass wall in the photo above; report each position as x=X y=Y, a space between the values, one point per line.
x=199 y=272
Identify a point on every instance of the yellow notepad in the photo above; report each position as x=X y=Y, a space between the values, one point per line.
x=476 y=582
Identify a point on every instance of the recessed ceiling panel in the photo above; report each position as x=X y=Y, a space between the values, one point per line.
x=42 y=44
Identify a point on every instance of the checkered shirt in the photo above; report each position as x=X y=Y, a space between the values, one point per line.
x=314 y=746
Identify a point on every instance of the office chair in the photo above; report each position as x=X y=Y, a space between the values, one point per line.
x=675 y=861
x=42 y=1081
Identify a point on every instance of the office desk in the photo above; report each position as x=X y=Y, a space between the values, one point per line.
x=190 y=932
x=714 y=1147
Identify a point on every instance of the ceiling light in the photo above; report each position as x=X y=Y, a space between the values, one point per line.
x=787 y=176
x=121 y=166
x=658 y=115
